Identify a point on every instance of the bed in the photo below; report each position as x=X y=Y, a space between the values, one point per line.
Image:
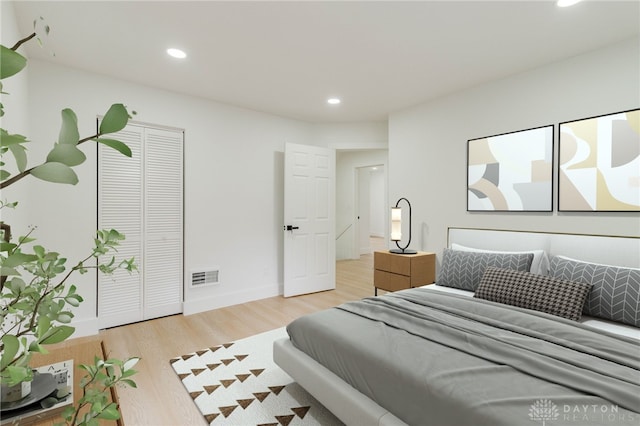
x=529 y=333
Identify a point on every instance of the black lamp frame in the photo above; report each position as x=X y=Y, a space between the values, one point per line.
x=404 y=250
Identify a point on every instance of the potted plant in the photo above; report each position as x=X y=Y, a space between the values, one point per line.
x=36 y=294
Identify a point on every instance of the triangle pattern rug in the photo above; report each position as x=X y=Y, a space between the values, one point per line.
x=238 y=383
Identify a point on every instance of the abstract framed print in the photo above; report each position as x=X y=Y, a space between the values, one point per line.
x=599 y=165
x=511 y=172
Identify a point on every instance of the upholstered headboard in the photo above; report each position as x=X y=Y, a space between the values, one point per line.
x=612 y=250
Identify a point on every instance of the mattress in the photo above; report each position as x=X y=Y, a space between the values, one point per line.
x=423 y=375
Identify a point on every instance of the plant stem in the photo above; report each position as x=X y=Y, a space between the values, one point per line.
x=24 y=40
x=60 y=284
x=16 y=178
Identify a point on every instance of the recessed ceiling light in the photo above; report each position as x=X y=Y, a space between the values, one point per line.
x=566 y=3
x=333 y=101
x=176 y=53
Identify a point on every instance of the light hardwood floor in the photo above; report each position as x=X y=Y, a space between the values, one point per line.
x=160 y=398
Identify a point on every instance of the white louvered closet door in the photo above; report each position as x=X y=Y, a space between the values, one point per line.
x=163 y=223
x=142 y=197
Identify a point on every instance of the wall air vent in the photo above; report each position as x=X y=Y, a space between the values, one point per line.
x=205 y=277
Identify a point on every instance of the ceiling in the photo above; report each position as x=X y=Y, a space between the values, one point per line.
x=287 y=58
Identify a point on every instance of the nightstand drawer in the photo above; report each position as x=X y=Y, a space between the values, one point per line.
x=390 y=282
x=393 y=272
x=392 y=263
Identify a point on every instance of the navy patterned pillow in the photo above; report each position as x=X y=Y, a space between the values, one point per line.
x=615 y=294
x=532 y=291
x=464 y=269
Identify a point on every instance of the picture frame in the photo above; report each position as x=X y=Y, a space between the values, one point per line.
x=511 y=171
x=46 y=406
x=599 y=163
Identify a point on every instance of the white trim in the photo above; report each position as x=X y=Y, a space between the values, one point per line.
x=217 y=301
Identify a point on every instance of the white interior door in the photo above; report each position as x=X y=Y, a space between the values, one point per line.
x=163 y=223
x=309 y=215
x=120 y=183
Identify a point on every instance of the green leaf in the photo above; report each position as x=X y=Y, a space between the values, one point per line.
x=44 y=325
x=121 y=147
x=24 y=239
x=17 y=375
x=48 y=402
x=58 y=334
x=10 y=62
x=20 y=154
x=66 y=154
x=8 y=271
x=39 y=250
x=69 y=133
x=7 y=139
x=65 y=317
x=128 y=373
x=130 y=363
x=110 y=412
x=35 y=347
x=96 y=407
x=11 y=347
x=114 y=120
x=17 y=259
x=4 y=175
x=68 y=413
x=16 y=284
x=5 y=247
x=130 y=383
x=73 y=301
x=55 y=172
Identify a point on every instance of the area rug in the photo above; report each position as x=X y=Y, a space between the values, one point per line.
x=238 y=383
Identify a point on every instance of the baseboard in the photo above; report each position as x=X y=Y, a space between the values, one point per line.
x=229 y=299
x=91 y=326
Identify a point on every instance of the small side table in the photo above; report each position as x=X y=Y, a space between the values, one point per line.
x=393 y=272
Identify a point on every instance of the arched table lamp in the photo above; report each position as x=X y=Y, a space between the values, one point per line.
x=396 y=228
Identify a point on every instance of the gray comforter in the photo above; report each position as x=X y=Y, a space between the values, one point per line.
x=440 y=359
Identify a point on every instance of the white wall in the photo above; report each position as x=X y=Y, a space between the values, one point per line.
x=233 y=177
x=16 y=119
x=352 y=136
x=232 y=218
x=427 y=143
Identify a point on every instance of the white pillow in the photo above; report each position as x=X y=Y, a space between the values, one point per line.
x=540 y=264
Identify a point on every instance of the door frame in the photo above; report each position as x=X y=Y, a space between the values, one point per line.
x=354 y=238
x=357 y=252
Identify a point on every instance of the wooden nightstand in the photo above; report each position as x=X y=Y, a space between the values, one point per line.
x=393 y=272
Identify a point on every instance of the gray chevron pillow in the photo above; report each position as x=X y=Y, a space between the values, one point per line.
x=464 y=269
x=615 y=294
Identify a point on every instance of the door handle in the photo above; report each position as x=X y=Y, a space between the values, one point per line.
x=290 y=227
